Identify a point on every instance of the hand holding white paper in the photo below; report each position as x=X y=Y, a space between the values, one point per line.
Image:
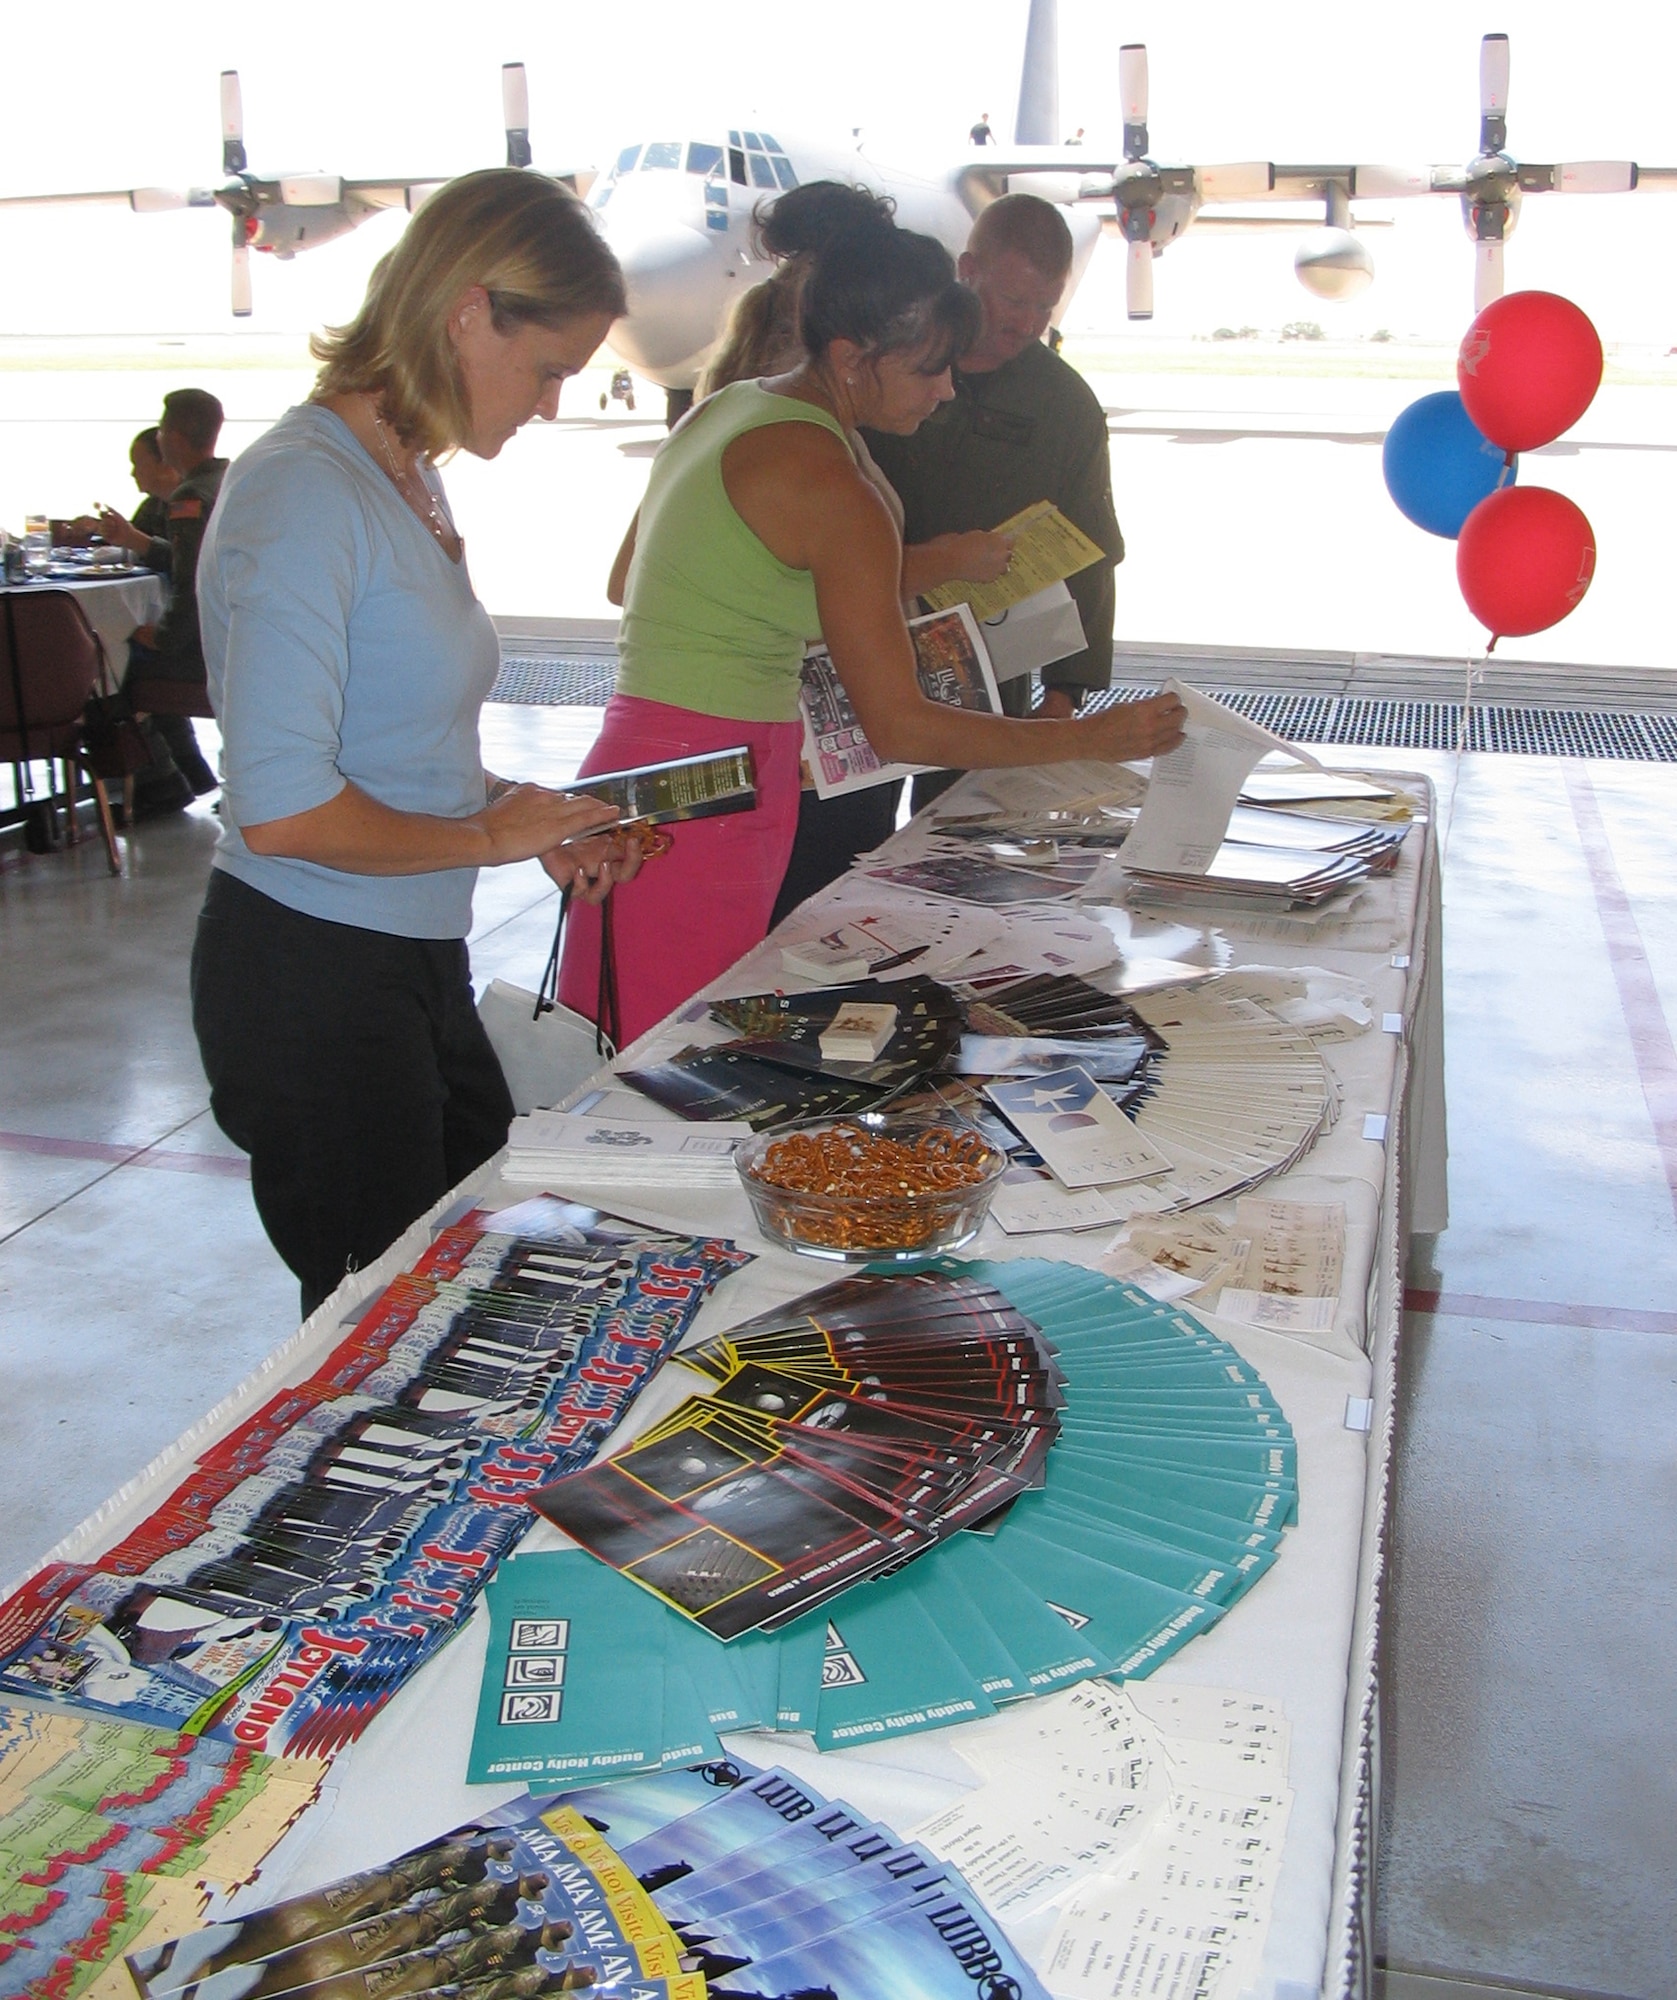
x=1192 y=792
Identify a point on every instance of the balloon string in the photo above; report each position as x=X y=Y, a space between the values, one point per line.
x=1474 y=668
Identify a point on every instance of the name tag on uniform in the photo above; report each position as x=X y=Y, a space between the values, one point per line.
x=1003 y=426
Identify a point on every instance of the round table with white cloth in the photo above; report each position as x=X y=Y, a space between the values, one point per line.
x=114 y=605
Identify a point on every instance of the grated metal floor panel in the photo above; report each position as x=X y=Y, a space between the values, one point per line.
x=582 y=678
x=1393 y=724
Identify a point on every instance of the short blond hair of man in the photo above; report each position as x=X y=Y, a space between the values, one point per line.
x=531 y=245
x=1029 y=225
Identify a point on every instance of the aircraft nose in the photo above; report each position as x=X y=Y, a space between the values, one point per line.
x=678 y=290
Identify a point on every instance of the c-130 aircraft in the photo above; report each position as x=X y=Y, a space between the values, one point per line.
x=679 y=212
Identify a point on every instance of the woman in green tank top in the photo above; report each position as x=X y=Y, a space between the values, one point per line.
x=758 y=534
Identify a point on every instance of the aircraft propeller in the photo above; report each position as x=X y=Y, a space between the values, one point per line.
x=1154 y=204
x=1493 y=181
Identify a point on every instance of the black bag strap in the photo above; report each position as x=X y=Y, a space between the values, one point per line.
x=607 y=1018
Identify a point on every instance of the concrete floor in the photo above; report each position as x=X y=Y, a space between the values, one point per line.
x=1530 y=1836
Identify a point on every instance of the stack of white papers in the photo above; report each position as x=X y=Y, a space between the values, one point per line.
x=568 y=1147
x=1237 y=1097
x=1140 y=1827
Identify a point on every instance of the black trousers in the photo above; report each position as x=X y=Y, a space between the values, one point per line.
x=350 y=1065
x=831 y=833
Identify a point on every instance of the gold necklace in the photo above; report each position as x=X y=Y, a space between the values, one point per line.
x=432 y=516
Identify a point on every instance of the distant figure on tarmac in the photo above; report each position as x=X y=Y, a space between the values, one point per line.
x=981 y=135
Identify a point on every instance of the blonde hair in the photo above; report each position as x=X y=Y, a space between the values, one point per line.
x=761 y=337
x=531 y=245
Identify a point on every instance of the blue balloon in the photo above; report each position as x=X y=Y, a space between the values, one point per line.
x=1439 y=465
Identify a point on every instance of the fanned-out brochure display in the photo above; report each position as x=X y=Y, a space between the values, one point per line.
x=313 y=1557
x=722 y=1879
x=900 y=1502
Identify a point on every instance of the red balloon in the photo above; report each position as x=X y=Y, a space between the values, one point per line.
x=1528 y=368
x=1524 y=558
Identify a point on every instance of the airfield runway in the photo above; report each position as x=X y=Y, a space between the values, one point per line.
x=1247 y=478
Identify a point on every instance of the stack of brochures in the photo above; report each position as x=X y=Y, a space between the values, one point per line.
x=723 y=1879
x=904 y=1501
x=1276 y=860
x=316 y=1555
x=776 y=1069
x=621 y=1152
x=1119 y=1107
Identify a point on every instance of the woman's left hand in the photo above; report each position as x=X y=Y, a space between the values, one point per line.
x=591 y=869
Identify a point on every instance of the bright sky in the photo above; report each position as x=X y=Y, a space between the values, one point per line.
x=131 y=98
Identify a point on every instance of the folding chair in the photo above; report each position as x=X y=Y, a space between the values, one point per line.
x=51 y=662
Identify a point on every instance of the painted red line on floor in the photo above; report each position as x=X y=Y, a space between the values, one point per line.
x=227 y=1166
x=1538 y=1312
x=1639 y=1000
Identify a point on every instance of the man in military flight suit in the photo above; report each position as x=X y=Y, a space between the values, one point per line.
x=171 y=649
x=1023 y=426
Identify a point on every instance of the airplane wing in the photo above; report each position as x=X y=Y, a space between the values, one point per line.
x=143 y=201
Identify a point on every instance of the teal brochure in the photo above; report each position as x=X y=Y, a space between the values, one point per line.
x=1081 y=1488
x=1050 y=1652
x=1253 y=1501
x=573 y=1685
x=1194 y=1576
x=802 y=1647
x=956 y=1613
x=888 y=1670
x=1136 y=1622
x=688 y=1734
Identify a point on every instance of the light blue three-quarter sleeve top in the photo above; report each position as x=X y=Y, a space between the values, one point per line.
x=342 y=644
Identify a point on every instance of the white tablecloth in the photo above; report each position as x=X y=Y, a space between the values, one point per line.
x=114 y=605
x=1305 y=1636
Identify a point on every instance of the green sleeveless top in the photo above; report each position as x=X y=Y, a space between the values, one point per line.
x=711 y=620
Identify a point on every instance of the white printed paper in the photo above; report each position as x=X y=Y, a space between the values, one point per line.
x=1082 y=1135
x=1193 y=789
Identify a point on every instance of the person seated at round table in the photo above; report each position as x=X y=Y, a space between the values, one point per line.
x=144 y=534
x=348 y=661
x=760 y=532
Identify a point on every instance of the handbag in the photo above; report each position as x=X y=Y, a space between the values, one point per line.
x=113 y=744
x=545 y=1050
x=1034 y=633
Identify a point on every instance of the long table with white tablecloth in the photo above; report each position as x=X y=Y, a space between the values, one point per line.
x=1305 y=1636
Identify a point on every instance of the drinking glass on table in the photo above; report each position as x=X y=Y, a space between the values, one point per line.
x=37 y=544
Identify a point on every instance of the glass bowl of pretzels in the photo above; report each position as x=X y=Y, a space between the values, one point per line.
x=872 y=1187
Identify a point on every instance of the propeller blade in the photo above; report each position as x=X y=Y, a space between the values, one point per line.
x=1243 y=180
x=159 y=201
x=232 y=124
x=241 y=281
x=1132 y=88
x=515 y=113
x=1487 y=272
x=1493 y=93
x=1389 y=183
x=311 y=190
x=1138 y=281
x=1596 y=176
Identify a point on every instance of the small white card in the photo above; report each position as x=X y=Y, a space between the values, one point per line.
x=1077 y=1129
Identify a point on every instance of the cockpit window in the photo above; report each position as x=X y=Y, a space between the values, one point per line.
x=772 y=145
x=627 y=158
x=701 y=159
x=783 y=171
x=736 y=166
x=733 y=138
x=663 y=153
x=762 y=174
x=754 y=142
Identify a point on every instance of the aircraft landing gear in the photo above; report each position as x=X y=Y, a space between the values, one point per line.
x=622 y=390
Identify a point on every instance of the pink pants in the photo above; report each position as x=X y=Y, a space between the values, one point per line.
x=689 y=913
